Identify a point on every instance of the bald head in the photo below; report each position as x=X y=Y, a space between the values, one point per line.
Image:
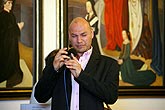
x=79 y=21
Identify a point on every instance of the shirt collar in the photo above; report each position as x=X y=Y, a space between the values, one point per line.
x=87 y=53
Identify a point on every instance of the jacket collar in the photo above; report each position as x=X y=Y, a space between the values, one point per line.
x=93 y=61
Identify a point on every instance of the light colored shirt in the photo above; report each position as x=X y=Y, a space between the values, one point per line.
x=83 y=60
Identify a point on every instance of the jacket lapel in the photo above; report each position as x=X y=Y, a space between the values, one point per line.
x=93 y=61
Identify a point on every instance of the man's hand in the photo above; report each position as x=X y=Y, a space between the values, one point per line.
x=60 y=58
x=74 y=66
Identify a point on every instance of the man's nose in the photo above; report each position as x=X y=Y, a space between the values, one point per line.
x=79 y=39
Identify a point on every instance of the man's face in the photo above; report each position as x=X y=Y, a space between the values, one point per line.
x=80 y=36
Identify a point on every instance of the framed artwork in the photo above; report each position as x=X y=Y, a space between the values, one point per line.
x=20 y=81
x=144 y=19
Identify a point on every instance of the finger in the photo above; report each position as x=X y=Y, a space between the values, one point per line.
x=65 y=57
x=72 y=64
x=69 y=64
x=72 y=67
x=63 y=51
x=73 y=57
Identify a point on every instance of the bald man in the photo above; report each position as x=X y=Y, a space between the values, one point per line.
x=82 y=80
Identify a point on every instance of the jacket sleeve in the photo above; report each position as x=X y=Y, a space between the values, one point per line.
x=45 y=85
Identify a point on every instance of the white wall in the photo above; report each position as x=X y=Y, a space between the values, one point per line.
x=139 y=104
x=12 y=104
x=50 y=37
x=49 y=26
x=121 y=104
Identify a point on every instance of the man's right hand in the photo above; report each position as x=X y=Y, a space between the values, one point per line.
x=59 y=59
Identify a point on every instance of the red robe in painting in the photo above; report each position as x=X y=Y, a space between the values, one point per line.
x=113 y=23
